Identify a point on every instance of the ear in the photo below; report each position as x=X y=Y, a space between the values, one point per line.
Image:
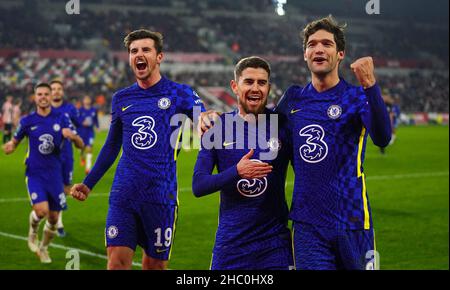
x=234 y=87
x=341 y=55
x=304 y=56
x=159 y=58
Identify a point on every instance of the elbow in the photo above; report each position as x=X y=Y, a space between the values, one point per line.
x=196 y=189
x=383 y=141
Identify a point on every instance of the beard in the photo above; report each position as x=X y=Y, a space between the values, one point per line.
x=254 y=110
x=325 y=70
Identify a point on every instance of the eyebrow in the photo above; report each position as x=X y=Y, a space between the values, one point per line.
x=321 y=40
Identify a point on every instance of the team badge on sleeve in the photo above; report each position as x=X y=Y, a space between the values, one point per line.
x=112 y=232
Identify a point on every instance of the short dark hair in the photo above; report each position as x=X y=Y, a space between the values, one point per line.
x=57 y=82
x=142 y=34
x=328 y=24
x=42 y=85
x=253 y=62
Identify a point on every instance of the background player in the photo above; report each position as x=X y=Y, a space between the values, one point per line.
x=253 y=232
x=330 y=120
x=8 y=118
x=389 y=103
x=64 y=107
x=143 y=202
x=46 y=130
x=88 y=121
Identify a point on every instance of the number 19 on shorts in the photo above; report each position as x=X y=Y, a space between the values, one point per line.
x=167 y=237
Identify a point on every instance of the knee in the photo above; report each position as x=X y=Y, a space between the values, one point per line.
x=52 y=219
x=41 y=213
x=118 y=264
x=154 y=264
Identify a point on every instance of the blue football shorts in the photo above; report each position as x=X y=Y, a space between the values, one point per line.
x=46 y=188
x=273 y=254
x=151 y=226
x=319 y=248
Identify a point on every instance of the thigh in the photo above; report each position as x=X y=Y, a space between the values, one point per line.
x=157 y=223
x=277 y=257
x=67 y=170
x=57 y=197
x=313 y=247
x=119 y=258
x=224 y=258
x=121 y=226
x=36 y=189
x=357 y=250
x=87 y=138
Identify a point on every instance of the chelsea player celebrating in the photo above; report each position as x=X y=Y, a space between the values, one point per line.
x=253 y=232
x=330 y=120
x=143 y=201
x=88 y=120
x=46 y=130
x=64 y=107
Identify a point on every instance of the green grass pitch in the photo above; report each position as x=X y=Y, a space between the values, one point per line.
x=408 y=190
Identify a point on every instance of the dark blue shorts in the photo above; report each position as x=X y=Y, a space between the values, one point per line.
x=48 y=189
x=149 y=225
x=88 y=137
x=278 y=256
x=67 y=170
x=318 y=248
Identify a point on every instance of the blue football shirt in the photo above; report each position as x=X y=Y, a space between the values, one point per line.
x=253 y=213
x=329 y=134
x=45 y=141
x=73 y=114
x=145 y=124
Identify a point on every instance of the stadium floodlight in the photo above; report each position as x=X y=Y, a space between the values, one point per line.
x=279 y=7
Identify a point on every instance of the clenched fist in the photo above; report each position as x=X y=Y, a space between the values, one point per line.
x=79 y=191
x=364 y=71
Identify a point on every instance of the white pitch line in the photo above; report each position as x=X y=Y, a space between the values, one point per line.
x=406 y=176
x=57 y=246
x=188 y=189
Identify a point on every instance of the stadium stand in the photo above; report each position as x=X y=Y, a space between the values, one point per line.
x=203 y=39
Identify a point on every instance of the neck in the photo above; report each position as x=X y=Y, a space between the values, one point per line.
x=44 y=111
x=325 y=82
x=57 y=104
x=150 y=81
x=249 y=117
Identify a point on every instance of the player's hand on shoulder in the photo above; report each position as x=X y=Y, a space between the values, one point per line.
x=79 y=191
x=364 y=70
x=250 y=169
x=206 y=120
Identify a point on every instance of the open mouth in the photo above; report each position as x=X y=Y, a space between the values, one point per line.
x=141 y=65
x=319 y=60
x=253 y=99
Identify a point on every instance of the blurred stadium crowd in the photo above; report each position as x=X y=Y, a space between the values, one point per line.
x=203 y=40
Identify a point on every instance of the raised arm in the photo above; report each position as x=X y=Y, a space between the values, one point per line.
x=375 y=117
